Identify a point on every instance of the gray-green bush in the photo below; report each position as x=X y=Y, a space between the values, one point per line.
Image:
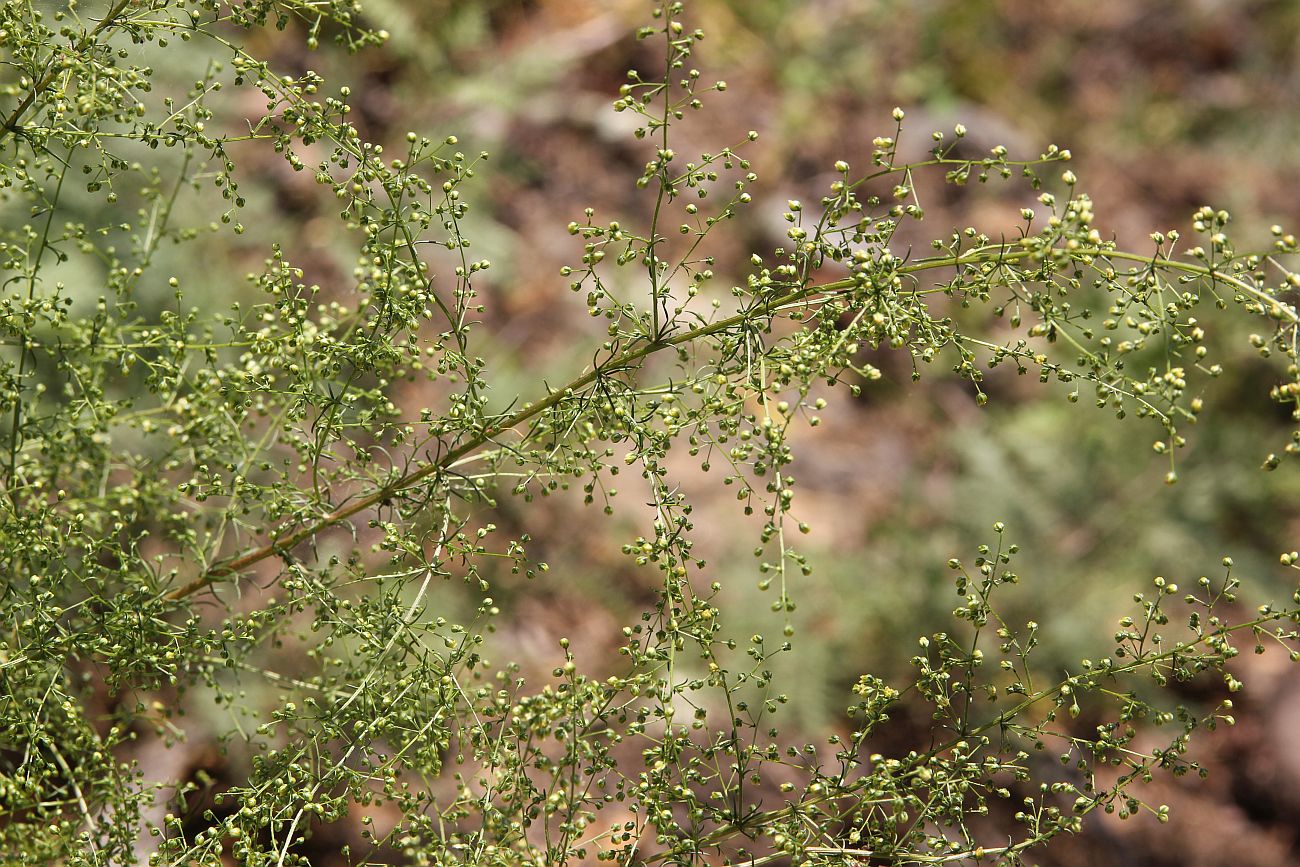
x=202 y=498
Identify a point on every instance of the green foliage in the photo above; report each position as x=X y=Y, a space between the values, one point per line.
x=202 y=499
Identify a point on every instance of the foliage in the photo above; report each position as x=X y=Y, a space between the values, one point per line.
x=190 y=493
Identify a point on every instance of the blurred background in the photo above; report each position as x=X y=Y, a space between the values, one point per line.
x=1165 y=104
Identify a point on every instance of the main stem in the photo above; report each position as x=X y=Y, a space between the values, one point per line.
x=283 y=543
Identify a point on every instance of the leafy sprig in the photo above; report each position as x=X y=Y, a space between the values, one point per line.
x=190 y=495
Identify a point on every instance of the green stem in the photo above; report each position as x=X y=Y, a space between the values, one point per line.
x=238 y=564
x=631 y=357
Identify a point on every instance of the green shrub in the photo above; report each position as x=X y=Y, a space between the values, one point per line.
x=215 y=505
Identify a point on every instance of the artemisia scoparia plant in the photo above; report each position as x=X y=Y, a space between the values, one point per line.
x=204 y=500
